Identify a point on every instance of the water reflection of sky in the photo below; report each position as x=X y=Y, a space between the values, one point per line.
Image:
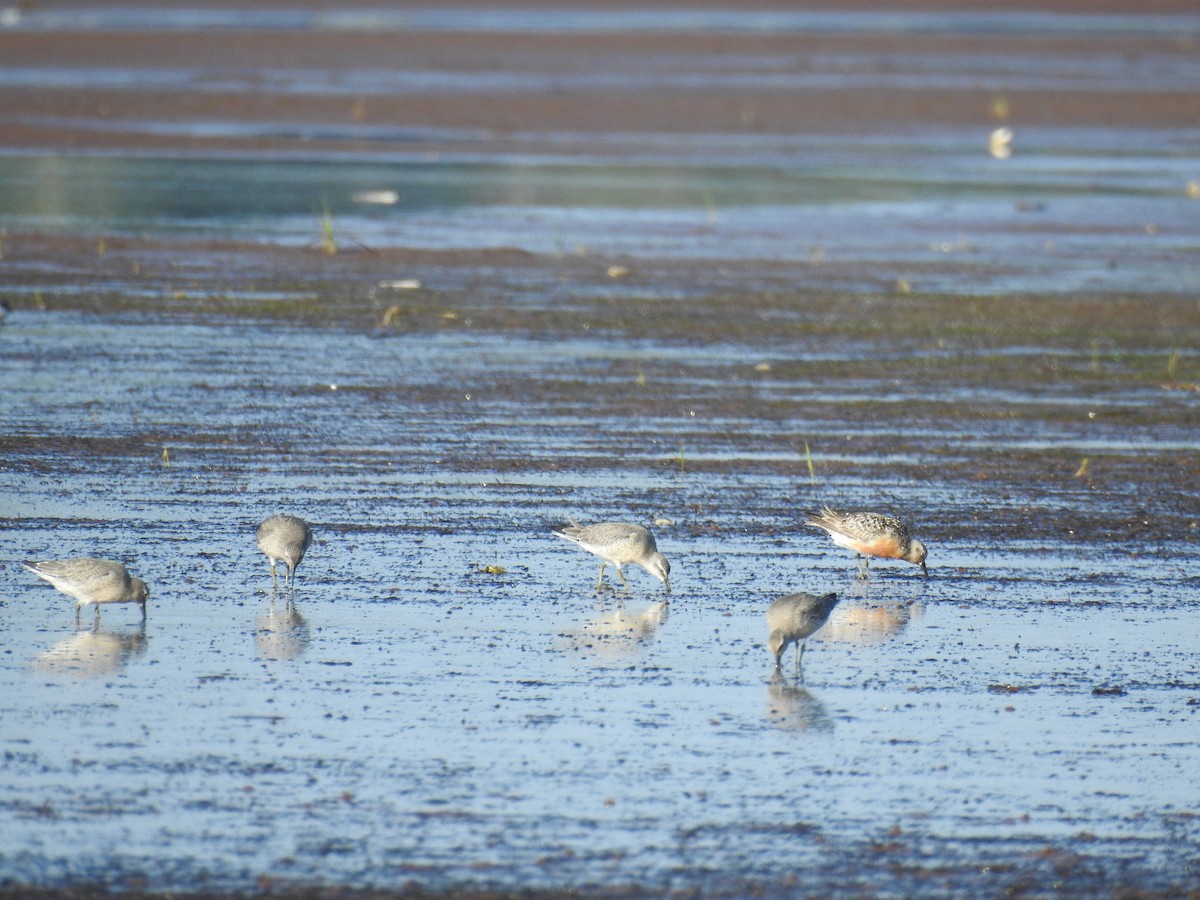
x=824 y=72
x=407 y=710
x=582 y=21
x=1071 y=209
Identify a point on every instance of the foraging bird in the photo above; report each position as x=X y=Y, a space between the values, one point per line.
x=620 y=544
x=284 y=539
x=792 y=618
x=91 y=580
x=871 y=534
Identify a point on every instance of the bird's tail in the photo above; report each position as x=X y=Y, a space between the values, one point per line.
x=570 y=532
x=827 y=518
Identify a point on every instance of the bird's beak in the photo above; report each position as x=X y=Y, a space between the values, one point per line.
x=924 y=570
x=667 y=583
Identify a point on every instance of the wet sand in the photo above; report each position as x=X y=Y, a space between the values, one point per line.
x=448 y=707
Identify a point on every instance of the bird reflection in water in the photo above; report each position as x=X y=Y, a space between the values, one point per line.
x=617 y=634
x=793 y=707
x=282 y=633
x=870 y=624
x=86 y=654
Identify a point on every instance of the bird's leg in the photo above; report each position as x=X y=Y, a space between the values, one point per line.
x=600 y=580
x=96 y=618
x=864 y=567
x=274 y=577
x=621 y=575
x=143 y=612
x=78 y=606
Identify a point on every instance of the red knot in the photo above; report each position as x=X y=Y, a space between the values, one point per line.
x=792 y=618
x=620 y=544
x=871 y=534
x=91 y=580
x=284 y=539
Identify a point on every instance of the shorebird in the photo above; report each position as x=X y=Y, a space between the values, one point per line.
x=871 y=534
x=91 y=580
x=792 y=618
x=284 y=539
x=620 y=544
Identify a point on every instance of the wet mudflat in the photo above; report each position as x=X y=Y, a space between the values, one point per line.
x=1026 y=713
x=684 y=327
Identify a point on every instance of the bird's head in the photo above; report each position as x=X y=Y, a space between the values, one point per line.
x=916 y=555
x=658 y=566
x=776 y=643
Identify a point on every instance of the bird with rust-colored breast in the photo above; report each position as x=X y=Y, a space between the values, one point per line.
x=871 y=534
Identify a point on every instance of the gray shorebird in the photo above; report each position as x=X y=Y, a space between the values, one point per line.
x=620 y=544
x=284 y=539
x=94 y=581
x=871 y=534
x=792 y=618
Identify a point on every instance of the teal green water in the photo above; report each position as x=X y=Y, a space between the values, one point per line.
x=1058 y=219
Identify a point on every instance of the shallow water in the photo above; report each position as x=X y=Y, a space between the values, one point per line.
x=410 y=715
x=525 y=21
x=939 y=215
x=866 y=197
